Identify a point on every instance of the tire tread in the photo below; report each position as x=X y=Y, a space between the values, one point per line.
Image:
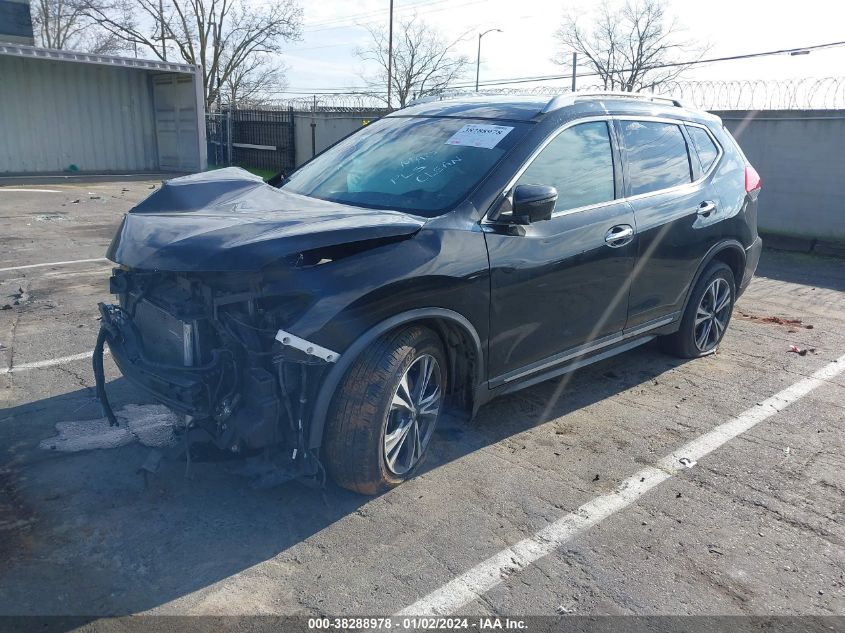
x=355 y=412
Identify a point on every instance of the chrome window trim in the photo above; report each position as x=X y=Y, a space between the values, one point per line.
x=687 y=185
x=719 y=148
x=609 y=119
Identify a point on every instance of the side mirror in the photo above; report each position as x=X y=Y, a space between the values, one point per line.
x=533 y=203
x=278 y=180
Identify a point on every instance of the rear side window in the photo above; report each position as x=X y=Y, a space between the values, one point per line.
x=707 y=150
x=579 y=163
x=657 y=156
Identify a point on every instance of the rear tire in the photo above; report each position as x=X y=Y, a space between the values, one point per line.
x=707 y=315
x=384 y=412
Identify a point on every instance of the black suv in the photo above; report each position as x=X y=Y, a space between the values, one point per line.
x=450 y=252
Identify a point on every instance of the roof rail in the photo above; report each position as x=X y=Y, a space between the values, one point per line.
x=560 y=101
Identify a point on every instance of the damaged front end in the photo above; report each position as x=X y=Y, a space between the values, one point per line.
x=215 y=271
x=211 y=351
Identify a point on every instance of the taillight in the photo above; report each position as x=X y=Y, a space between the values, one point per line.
x=752 y=179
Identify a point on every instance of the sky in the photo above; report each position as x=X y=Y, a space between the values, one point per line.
x=324 y=60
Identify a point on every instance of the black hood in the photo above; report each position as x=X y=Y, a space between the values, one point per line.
x=230 y=220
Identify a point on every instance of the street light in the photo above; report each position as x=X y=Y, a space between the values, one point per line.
x=478 y=59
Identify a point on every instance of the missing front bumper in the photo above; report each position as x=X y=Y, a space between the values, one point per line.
x=186 y=390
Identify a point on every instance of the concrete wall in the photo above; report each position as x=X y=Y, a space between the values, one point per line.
x=800 y=155
x=329 y=128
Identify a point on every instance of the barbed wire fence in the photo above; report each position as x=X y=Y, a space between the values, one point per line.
x=354 y=102
x=826 y=93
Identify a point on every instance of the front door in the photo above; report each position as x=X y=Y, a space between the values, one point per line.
x=562 y=283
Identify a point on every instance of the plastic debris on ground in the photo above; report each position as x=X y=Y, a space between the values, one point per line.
x=801 y=351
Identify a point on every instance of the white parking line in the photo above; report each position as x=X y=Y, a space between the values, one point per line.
x=51 y=362
x=17 y=190
x=483 y=577
x=67 y=263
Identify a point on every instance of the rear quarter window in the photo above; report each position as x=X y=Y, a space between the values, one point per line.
x=705 y=146
x=657 y=156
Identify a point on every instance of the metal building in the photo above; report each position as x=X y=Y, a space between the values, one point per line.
x=65 y=112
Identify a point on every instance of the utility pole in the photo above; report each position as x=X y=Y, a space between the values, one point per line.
x=478 y=62
x=574 y=68
x=161 y=17
x=314 y=127
x=215 y=66
x=478 y=58
x=390 y=56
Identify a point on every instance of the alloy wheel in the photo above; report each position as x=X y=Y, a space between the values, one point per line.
x=711 y=318
x=413 y=414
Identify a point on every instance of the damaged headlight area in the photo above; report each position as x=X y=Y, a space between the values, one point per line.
x=213 y=349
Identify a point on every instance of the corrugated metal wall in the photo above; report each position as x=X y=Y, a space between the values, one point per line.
x=57 y=114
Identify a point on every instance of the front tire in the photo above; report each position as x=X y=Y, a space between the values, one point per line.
x=383 y=415
x=707 y=315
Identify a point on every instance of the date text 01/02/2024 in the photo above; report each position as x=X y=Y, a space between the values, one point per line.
x=415 y=623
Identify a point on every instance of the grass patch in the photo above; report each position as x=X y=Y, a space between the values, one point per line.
x=265 y=174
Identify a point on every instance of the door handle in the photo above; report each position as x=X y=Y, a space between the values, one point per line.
x=706 y=208
x=619 y=235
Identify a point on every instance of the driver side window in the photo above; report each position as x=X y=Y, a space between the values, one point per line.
x=578 y=162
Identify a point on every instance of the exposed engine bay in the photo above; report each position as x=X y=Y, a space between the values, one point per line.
x=213 y=352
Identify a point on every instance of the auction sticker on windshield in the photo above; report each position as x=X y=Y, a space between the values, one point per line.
x=477 y=135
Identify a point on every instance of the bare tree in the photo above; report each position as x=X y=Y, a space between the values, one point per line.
x=629 y=46
x=424 y=62
x=223 y=36
x=251 y=83
x=66 y=25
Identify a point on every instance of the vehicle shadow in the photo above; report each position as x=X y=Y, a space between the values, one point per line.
x=92 y=540
x=800 y=268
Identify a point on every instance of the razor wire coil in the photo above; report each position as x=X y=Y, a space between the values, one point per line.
x=826 y=93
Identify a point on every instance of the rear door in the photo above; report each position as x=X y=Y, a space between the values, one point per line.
x=677 y=215
x=562 y=283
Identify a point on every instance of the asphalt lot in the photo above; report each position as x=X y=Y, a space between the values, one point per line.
x=755 y=527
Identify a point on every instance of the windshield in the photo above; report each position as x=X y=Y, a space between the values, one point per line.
x=420 y=165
